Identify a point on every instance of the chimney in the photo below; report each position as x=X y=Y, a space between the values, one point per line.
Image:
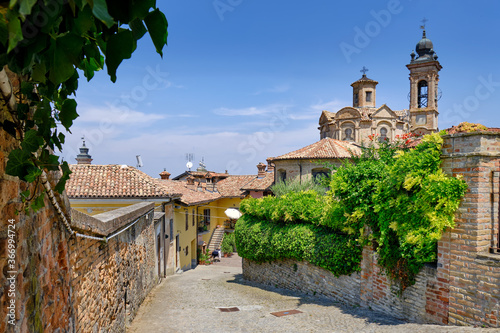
x=190 y=180
x=261 y=167
x=164 y=174
x=270 y=166
x=83 y=157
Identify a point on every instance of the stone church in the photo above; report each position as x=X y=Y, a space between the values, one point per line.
x=357 y=122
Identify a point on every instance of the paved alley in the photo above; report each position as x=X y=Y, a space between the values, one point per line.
x=190 y=302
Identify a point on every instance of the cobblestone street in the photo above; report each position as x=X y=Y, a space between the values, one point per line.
x=190 y=302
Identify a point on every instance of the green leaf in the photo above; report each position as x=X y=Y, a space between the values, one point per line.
x=49 y=161
x=38 y=73
x=15 y=32
x=31 y=141
x=138 y=28
x=25 y=7
x=25 y=195
x=33 y=174
x=157 y=26
x=120 y=46
x=38 y=203
x=68 y=113
x=18 y=164
x=62 y=67
x=61 y=184
x=84 y=21
x=100 y=10
x=140 y=8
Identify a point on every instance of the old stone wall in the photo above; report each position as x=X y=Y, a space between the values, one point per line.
x=111 y=279
x=419 y=303
x=304 y=277
x=35 y=293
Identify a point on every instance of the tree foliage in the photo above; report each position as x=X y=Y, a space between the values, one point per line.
x=49 y=44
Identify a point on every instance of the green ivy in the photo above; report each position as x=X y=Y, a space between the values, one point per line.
x=263 y=241
x=75 y=37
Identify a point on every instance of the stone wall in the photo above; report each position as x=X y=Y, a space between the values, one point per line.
x=461 y=288
x=39 y=281
x=304 y=277
x=111 y=279
x=423 y=302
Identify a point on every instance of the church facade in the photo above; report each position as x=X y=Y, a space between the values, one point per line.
x=362 y=120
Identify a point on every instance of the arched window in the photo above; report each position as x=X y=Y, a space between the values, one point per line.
x=383 y=134
x=422 y=94
x=348 y=134
x=319 y=174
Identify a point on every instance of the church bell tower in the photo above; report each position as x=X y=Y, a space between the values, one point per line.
x=424 y=92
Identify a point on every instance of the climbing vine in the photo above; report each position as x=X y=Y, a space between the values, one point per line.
x=46 y=45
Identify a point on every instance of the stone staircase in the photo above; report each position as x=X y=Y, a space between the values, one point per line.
x=216 y=239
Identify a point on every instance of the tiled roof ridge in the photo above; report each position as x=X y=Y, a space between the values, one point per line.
x=89 y=184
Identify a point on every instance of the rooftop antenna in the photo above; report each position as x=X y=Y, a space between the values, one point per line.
x=139 y=161
x=189 y=159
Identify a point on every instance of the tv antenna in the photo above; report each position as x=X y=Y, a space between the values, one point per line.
x=139 y=161
x=189 y=159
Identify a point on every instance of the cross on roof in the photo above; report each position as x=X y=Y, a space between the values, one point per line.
x=423 y=21
x=364 y=70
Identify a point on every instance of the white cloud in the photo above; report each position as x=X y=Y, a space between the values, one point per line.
x=276 y=89
x=332 y=106
x=98 y=114
x=252 y=110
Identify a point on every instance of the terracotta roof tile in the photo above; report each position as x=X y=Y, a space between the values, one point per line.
x=260 y=184
x=112 y=181
x=326 y=148
x=231 y=187
x=191 y=194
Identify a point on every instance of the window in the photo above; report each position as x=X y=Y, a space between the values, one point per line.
x=171 y=229
x=348 y=134
x=206 y=215
x=356 y=99
x=281 y=175
x=187 y=219
x=193 y=216
x=368 y=96
x=383 y=134
x=319 y=174
x=422 y=94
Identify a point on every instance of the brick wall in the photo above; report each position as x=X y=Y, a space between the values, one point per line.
x=110 y=280
x=42 y=270
x=462 y=288
x=474 y=272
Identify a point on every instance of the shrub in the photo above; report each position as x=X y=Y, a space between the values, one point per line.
x=295 y=185
x=262 y=241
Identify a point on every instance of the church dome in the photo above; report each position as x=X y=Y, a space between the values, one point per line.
x=424 y=46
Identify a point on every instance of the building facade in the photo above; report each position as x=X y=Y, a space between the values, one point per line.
x=363 y=120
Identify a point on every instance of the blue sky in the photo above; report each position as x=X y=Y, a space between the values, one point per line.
x=244 y=80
